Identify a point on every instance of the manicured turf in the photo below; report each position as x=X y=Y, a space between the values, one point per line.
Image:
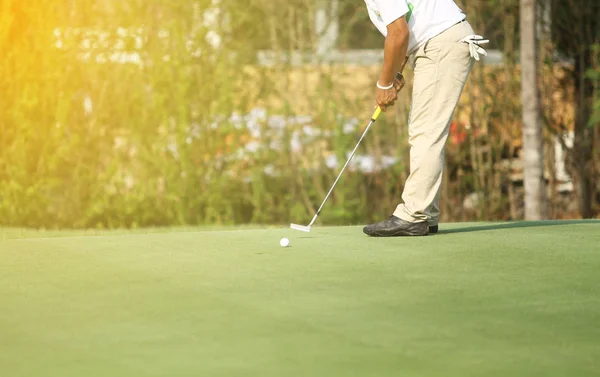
x=476 y=300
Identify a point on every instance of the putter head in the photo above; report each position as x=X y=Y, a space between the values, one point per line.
x=300 y=227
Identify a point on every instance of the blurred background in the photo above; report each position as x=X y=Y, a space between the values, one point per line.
x=130 y=113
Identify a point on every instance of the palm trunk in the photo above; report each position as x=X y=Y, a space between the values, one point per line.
x=533 y=153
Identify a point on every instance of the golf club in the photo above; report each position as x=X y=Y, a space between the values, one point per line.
x=373 y=119
x=307 y=228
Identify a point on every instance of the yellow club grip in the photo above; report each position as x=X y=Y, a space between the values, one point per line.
x=376 y=113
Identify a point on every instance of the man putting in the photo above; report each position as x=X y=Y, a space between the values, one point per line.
x=440 y=45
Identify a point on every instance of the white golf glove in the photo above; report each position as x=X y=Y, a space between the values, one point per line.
x=474 y=42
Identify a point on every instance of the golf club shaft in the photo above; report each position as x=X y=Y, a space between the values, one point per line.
x=346 y=164
x=373 y=119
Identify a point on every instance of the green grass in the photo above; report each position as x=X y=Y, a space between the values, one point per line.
x=515 y=299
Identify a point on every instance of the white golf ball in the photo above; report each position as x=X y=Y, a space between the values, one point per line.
x=284 y=242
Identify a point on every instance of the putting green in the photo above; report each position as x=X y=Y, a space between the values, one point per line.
x=514 y=299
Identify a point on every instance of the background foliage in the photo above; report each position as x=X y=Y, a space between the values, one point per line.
x=134 y=113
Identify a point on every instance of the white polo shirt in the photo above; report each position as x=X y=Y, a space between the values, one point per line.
x=426 y=18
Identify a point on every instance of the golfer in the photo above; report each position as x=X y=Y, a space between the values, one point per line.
x=441 y=46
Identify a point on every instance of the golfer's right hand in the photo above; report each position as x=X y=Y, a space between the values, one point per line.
x=398 y=85
x=386 y=97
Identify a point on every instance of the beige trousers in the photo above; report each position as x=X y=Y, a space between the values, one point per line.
x=441 y=67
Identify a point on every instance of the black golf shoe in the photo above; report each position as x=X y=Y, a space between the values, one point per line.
x=395 y=226
x=433 y=229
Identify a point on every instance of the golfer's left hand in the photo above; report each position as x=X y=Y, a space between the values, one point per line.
x=398 y=82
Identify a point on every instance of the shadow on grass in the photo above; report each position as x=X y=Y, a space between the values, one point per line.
x=517 y=224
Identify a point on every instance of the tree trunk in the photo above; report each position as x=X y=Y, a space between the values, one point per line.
x=583 y=136
x=327 y=26
x=533 y=152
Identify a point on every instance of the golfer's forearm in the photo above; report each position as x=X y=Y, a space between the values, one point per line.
x=394 y=53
